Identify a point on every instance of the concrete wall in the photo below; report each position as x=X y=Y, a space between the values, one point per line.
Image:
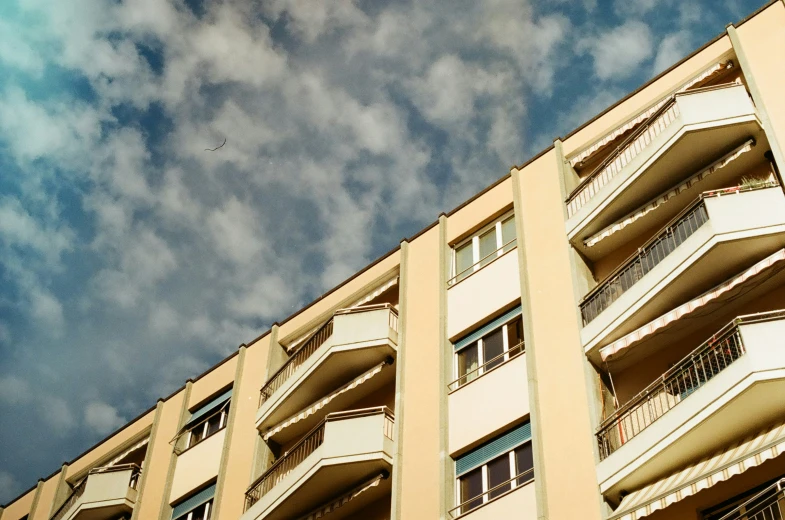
x=488 y=405
x=45 y=499
x=485 y=292
x=20 y=507
x=207 y=385
x=197 y=465
x=519 y=504
x=562 y=433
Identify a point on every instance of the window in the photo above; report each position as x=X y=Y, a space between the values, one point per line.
x=205 y=421
x=494 y=469
x=198 y=506
x=488 y=347
x=201 y=512
x=481 y=249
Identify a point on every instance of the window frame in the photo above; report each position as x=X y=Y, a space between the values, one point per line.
x=223 y=411
x=485 y=497
x=207 y=514
x=474 y=239
x=481 y=361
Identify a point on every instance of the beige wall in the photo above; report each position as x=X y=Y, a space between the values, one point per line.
x=207 y=385
x=519 y=504
x=156 y=473
x=197 y=465
x=562 y=427
x=45 y=498
x=419 y=495
x=763 y=41
x=19 y=507
x=480 y=211
x=245 y=401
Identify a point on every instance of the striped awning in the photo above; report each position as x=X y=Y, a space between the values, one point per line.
x=318 y=405
x=749 y=453
x=127 y=451
x=342 y=500
x=724 y=289
x=643 y=115
x=670 y=194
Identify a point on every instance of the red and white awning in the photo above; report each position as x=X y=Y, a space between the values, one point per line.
x=749 y=453
x=670 y=194
x=691 y=306
x=318 y=405
x=643 y=115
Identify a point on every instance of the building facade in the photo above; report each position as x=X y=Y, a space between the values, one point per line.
x=598 y=335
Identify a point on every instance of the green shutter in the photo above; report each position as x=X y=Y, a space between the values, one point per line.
x=193 y=502
x=482 y=331
x=209 y=407
x=490 y=450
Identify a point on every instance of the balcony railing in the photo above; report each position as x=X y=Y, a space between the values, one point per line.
x=78 y=491
x=495 y=492
x=622 y=155
x=644 y=260
x=299 y=357
x=494 y=362
x=681 y=380
x=769 y=504
x=309 y=444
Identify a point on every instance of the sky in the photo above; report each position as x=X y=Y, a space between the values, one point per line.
x=133 y=258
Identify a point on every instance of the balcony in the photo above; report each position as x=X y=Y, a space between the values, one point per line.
x=769 y=504
x=352 y=342
x=723 y=231
x=346 y=449
x=104 y=494
x=685 y=134
x=714 y=396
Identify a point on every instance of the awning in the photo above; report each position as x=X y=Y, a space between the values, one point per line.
x=127 y=451
x=643 y=115
x=665 y=197
x=736 y=459
x=362 y=301
x=692 y=306
x=315 y=407
x=351 y=495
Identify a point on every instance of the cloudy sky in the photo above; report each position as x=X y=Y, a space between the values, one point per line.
x=132 y=259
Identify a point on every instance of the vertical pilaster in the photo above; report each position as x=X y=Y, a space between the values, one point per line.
x=397 y=473
x=165 y=512
x=147 y=458
x=61 y=493
x=275 y=359
x=447 y=487
x=34 y=507
x=233 y=408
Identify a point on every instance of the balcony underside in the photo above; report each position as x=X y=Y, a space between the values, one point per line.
x=732 y=405
x=640 y=192
x=704 y=260
x=690 y=148
x=103 y=511
x=329 y=368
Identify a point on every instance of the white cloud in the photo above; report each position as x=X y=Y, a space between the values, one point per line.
x=102 y=418
x=10 y=487
x=619 y=52
x=14 y=390
x=671 y=49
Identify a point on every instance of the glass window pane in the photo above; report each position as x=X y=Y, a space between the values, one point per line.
x=197 y=434
x=487 y=246
x=213 y=423
x=498 y=474
x=515 y=335
x=508 y=233
x=471 y=487
x=524 y=462
x=463 y=260
x=467 y=364
x=493 y=348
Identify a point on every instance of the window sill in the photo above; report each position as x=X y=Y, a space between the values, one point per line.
x=514 y=356
x=452 y=282
x=216 y=432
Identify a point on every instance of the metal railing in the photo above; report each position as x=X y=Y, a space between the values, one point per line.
x=644 y=260
x=299 y=357
x=495 y=492
x=284 y=465
x=78 y=491
x=484 y=261
x=307 y=445
x=769 y=504
x=633 y=145
x=494 y=362
x=675 y=385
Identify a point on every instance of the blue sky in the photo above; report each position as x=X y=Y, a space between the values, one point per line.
x=132 y=259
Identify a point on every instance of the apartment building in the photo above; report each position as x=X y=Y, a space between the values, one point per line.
x=598 y=335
